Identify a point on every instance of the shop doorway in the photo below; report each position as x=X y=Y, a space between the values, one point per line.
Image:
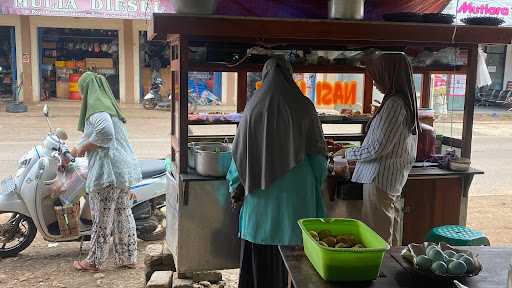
x=154 y=63
x=496 y=55
x=7 y=64
x=65 y=54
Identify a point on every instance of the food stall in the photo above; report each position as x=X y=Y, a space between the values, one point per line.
x=202 y=227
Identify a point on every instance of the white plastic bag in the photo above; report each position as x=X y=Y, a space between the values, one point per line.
x=483 y=78
x=70 y=185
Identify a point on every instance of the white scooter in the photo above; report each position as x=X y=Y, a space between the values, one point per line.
x=27 y=201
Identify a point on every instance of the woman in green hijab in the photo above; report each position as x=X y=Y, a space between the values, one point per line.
x=112 y=169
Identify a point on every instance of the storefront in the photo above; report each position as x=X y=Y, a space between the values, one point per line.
x=498 y=56
x=66 y=53
x=62 y=39
x=8 y=66
x=10 y=58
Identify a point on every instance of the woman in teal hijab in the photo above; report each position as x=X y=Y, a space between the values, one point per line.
x=112 y=169
x=279 y=166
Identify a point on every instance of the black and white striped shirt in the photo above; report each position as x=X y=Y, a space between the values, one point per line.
x=386 y=156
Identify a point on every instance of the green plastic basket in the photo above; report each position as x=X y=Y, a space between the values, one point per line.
x=348 y=264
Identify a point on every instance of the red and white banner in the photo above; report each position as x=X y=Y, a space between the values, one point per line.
x=128 y=9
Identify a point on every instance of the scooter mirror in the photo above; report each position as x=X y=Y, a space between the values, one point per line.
x=46 y=112
x=61 y=134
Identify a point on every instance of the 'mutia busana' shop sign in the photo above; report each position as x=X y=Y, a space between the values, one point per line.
x=130 y=9
x=481 y=8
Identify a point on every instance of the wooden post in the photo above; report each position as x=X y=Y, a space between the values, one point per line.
x=469 y=101
x=130 y=95
x=179 y=110
x=425 y=90
x=241 y=95
x=367 y=93
x=27 y=91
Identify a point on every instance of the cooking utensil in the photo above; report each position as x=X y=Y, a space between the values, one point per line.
x=403 y=17
x=195 y=6
x=488 y=20
x=346 y=9
x=460 y=164
x=191 y=154
x=212 y=160
x=440 y=18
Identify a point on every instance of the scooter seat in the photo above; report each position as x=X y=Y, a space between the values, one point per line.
x=152 y=168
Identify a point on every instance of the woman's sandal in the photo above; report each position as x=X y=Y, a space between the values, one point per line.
x=84 y=266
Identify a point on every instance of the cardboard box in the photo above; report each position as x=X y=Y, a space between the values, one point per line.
x=62 y=89
x=99 y=63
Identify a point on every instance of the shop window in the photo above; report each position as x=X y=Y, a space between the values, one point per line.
x=154 y=64
x=207 y=91
x=213 y=96
x=448 y=95
x=7 y=64
x=331 y=93
x=496 y=56
x=67 y=53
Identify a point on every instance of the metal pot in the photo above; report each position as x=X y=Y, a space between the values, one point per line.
x=191 y=153
x=346 y=9
x=195 y=6
x=212 y=160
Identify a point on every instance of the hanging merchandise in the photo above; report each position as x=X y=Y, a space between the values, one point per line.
x=104 y=47
x=114 y=48
x=483 y=78
x=74 y=91
x=97 y=48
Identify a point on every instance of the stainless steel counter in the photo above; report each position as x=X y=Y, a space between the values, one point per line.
x=202 y=228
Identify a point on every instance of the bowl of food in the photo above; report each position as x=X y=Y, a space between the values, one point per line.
x=441 y=261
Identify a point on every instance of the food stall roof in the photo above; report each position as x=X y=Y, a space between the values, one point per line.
x=273 y=30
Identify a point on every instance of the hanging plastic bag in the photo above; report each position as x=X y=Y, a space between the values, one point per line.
x=483 y=78
x=70 y=184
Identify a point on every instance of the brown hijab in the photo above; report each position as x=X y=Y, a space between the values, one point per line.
x=392 y=73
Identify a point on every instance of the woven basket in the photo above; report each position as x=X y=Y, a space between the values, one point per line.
x=68 y=218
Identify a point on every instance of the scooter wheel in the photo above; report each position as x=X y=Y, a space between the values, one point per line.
x=149 y=104
x=17 y=232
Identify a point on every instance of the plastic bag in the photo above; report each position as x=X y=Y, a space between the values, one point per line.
x=70 y=184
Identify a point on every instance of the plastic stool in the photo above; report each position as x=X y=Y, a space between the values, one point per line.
x=456 y=235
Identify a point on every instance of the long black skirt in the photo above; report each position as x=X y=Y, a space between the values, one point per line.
x=261 y=266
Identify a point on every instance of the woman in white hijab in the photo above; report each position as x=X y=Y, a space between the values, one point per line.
x=386 y=156
x=278 y=168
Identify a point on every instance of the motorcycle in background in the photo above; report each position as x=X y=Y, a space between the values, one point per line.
x=154 y=99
